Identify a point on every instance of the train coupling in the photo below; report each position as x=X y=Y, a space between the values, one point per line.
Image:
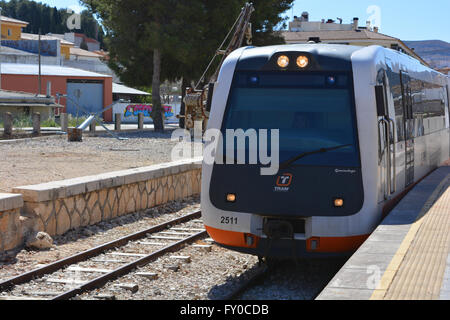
x=278 y=229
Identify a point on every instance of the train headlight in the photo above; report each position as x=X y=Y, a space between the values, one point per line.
x=302 y=61
x=338 y=202
x=231 y=197
x=283 y=61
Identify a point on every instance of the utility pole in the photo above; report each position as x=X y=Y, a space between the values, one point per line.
x=39 y=53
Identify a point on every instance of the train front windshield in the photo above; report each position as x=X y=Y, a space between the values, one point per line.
x=311 y=111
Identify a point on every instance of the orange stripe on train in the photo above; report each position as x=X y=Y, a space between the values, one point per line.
x=231 y=238
x=335 y=244
x=323 y=244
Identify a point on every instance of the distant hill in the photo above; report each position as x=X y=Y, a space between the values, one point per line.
x=435 y=52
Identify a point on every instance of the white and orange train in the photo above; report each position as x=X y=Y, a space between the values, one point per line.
x=358 y=127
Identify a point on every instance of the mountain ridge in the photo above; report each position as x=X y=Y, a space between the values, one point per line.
x=435 y=52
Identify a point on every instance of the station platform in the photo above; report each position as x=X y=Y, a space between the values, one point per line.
x=408 y=255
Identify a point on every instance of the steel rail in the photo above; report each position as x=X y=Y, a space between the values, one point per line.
x=100 y=281
x=260 y=274
x=37 y=273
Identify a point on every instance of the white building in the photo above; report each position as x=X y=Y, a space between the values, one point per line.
x=301 y=30
x=79 y=38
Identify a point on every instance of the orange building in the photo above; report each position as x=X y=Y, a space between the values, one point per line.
x=12 y=28
x=88 y=90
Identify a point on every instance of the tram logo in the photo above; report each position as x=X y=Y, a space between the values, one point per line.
x=284 y=180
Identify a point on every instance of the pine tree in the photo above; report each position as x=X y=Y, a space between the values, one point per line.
x=42 y=16
x=46 y=19
x=84 y=45
x=150 y=41
x=23 y=13
x=56 y=21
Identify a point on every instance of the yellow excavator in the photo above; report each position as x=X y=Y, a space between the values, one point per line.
x=198 y=100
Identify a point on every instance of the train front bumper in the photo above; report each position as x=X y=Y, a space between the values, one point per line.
x=286 y=248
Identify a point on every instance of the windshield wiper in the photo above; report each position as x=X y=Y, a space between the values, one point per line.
x=287 y=163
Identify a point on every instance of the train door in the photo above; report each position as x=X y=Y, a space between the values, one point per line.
x=386 y=141
x=409 y=127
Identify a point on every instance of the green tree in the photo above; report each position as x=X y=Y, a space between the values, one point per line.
x=57 y=26
x=84 y=45
x=150 y=41
x=42 y=16
x=267 y=20
x=10 y=8
x=136 y=28
x=89 y=25
x=23 y=12
x=46 y=17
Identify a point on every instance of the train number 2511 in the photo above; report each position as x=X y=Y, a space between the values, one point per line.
x=229 y=220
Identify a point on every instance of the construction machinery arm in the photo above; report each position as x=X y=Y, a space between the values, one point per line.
x=198 y=100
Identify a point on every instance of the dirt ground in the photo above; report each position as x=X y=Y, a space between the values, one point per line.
x=48 y=159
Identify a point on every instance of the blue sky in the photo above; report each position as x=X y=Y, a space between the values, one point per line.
x=404 y=19
x=73 y=4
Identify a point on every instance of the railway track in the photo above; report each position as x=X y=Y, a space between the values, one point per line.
x=127 y=253
x=259 y=275
x=288 y=280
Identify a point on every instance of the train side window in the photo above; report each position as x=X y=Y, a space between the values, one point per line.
x=381 y=101
x=447 y=101
x=428 y=107
x=419 y=113
x=380 y=94
x=436 y=107
x=395 y=87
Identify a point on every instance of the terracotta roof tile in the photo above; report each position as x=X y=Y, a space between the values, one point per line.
x=80 y=52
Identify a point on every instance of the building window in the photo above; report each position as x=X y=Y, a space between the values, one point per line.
x=9 y=33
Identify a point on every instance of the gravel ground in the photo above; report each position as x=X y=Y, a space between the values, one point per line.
x=213 y=275
x=288 y=280
x=209 y=275
x=43 y=160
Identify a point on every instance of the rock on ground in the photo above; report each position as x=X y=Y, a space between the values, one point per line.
x=39 y=241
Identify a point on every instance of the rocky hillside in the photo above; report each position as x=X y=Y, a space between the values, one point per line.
x=435 y=52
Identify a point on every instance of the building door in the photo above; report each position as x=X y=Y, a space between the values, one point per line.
x=84 y=97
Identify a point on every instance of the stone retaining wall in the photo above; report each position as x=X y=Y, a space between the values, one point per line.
x=60 y=206
x=10 y=226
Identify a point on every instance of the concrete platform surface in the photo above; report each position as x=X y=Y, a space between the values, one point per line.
x=407 y=257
